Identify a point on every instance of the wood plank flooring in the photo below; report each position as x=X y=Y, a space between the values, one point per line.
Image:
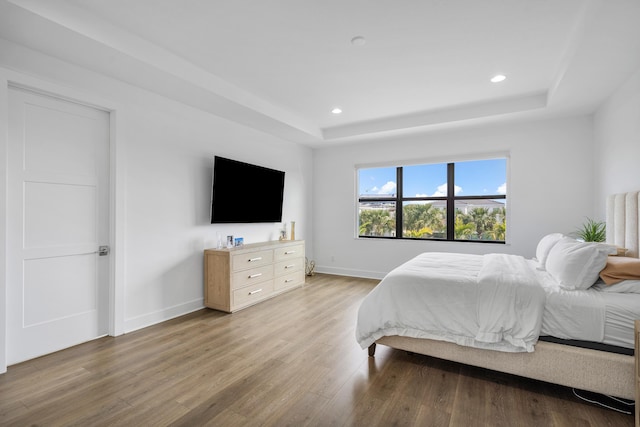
x=289 y=361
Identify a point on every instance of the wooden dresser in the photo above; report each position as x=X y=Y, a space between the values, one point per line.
x=235 y=278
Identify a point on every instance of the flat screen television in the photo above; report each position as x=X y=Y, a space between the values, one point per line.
x=245 y=193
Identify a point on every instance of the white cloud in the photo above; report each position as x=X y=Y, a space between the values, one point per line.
x=442 y=190
x=502 y=189
x=388 y=188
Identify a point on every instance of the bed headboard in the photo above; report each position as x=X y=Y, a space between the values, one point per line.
x=623 y=220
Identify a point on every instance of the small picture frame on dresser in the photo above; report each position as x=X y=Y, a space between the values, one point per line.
x=239 y=241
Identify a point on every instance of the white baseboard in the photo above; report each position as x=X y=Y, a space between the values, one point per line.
x=350 y=272
x=160 y=316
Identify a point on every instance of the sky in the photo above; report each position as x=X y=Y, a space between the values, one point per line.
x=473 y=178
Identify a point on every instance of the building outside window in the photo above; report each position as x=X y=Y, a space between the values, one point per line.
x=455 y=201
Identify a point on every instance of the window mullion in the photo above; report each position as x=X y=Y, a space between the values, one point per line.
x=451 y=206
x=399 y=196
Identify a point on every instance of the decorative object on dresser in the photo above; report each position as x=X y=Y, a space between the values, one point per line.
x=238 y=277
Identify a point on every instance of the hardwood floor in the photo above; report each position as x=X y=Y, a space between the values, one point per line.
x=289 y=361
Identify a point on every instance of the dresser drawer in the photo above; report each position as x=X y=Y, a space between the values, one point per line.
x=253 y=293
x=287 y=252
x=288 y=266
x=254 y=275
x=239 y=277
x=289 y=280
x=243 y=261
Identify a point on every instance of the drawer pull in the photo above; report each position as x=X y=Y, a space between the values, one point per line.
x=289 y=252
x=255 y=292
x=254 y=259
x=253 y=276
x=289 y=266
x=288 y=280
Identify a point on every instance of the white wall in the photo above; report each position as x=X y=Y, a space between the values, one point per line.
x=169 y=171
x=617 y=142
x=550 y=189
x=164 y=153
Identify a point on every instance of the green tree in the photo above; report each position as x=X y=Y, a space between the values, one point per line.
x=421 y=220
x=376 y=222
x=484 y=220
x=422 y=233
x=499 y=231
x=500 y=226
x=463 y=230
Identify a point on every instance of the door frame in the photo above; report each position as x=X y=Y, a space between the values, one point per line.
x=10 y=78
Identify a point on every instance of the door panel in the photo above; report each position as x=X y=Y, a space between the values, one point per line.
x=58 y=216
x=48 y=282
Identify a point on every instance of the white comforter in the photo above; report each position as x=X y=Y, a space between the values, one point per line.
x=487 y=301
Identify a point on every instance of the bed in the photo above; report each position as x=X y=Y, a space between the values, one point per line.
x=560 y=293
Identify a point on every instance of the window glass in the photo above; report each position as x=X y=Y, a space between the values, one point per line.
x=377 y=181
x=424 y=180
x=481 y=177
x=377 y=219
x=480 y=219
x=424 y=220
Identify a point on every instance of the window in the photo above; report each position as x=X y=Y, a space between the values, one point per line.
x=461 y=201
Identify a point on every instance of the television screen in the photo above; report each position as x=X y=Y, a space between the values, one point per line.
x=243 y=192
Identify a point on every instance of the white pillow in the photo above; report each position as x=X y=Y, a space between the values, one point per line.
x=544 y=246
x=576 y=265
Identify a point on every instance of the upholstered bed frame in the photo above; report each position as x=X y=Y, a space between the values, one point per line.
x=585 y=369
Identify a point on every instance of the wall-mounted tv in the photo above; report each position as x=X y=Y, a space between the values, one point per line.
x=243 y=193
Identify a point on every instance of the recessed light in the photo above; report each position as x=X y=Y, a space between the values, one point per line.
x=336 y=110
x=358 y=41
x=498 y=78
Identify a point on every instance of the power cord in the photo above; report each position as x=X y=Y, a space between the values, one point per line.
x=625 y=403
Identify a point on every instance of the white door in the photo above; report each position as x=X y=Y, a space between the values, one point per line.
x=58 y=214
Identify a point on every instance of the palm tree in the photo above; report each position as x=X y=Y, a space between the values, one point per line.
x=499 y=231
x=418 y=217
x=463 y=230
x=376 y=222
x=484 y=220
x=500 y=227
x=422 y=233
x=412 y=217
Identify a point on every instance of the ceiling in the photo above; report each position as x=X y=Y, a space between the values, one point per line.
x=281 y=66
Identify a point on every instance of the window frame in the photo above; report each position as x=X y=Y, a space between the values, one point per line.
x=450 y=200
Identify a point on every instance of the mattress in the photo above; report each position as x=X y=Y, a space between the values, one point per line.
x=494 y=301
x=490 y=301
x=589 y=315
x=621 y=312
